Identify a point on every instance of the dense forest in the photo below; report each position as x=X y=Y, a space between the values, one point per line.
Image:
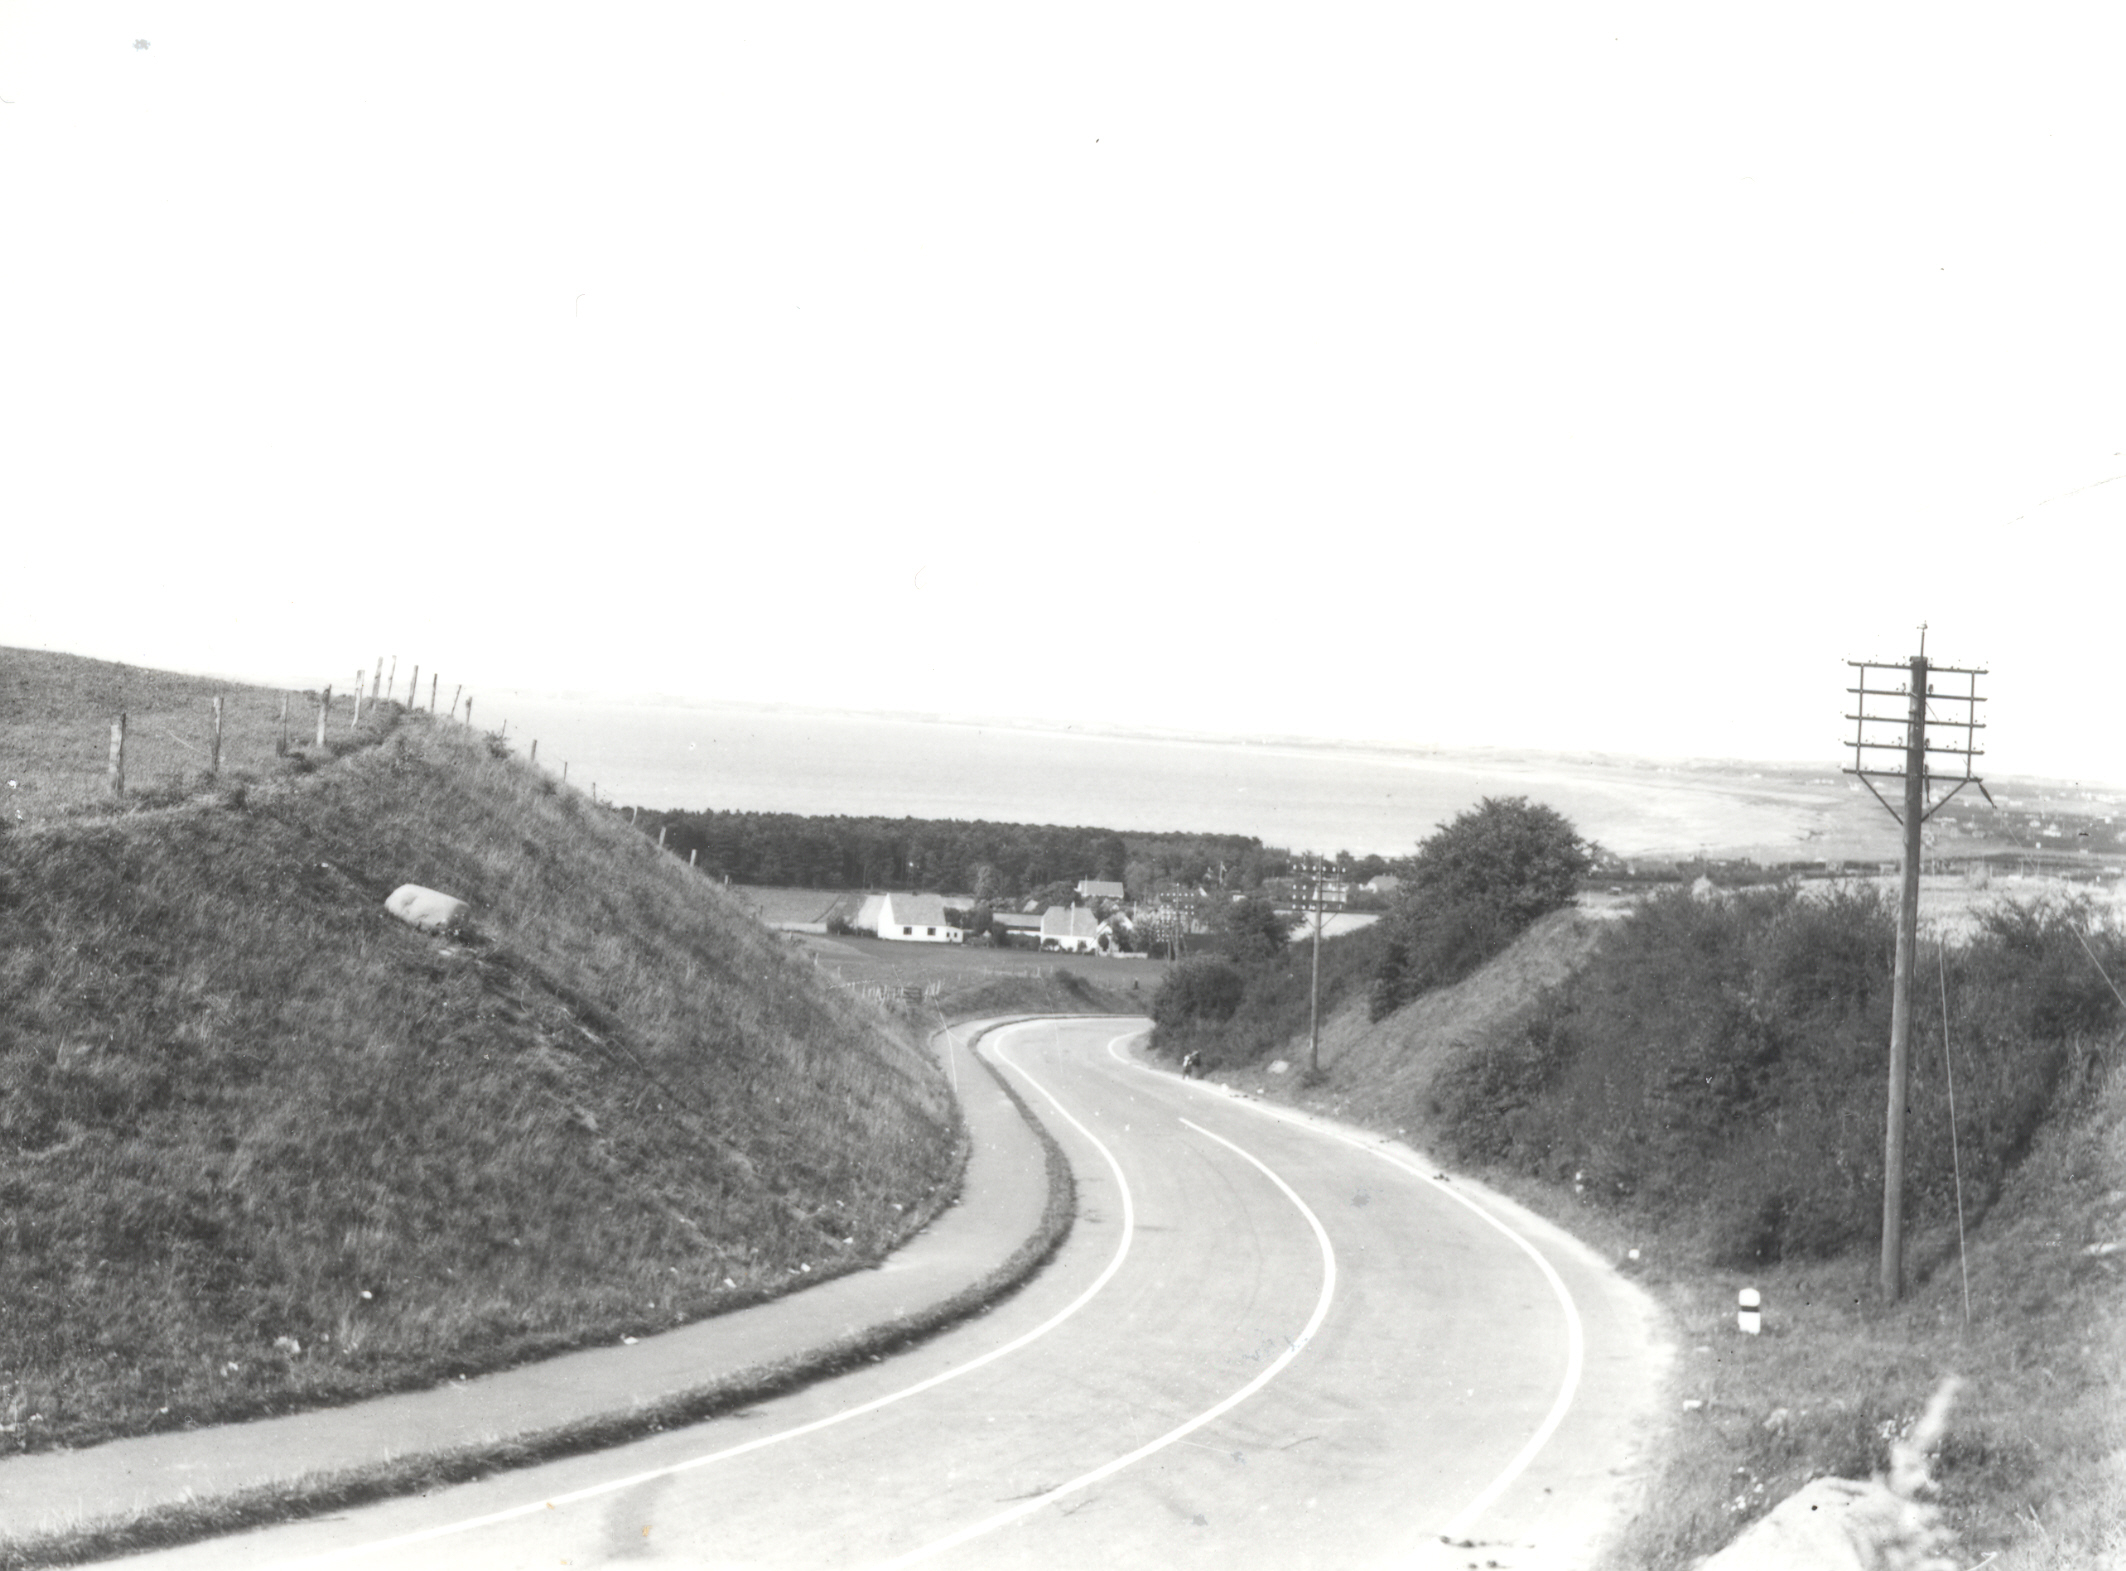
x=979 y=858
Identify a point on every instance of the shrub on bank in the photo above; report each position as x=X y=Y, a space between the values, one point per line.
x=1721 y=1065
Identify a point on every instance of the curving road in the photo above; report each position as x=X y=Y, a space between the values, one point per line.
x=1269 y=1342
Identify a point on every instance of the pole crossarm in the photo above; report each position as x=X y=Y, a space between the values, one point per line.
x=1962 y=725
x=1921 y=710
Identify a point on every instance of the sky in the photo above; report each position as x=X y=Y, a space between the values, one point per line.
x=1566 y=376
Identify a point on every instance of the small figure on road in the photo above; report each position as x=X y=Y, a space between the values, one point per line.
x=1192 y=1066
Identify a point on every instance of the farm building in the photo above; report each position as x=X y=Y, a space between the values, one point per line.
x=915 y=919
x=866 y=920
x=1099 y=889
x=1073 y=929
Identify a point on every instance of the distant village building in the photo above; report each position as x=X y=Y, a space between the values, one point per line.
x=1091 y=889
x=1385 y=884
x=1071 y=929
x=916 y=919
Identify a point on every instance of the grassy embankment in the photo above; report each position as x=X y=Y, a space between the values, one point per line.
x=266 y=1147
x=1701 y=1083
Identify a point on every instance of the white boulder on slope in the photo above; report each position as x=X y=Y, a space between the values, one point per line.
x=430 y=910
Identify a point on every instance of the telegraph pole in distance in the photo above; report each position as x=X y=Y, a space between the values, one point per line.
x=1314 y=986
x=1317 y=867
x=1914 y=749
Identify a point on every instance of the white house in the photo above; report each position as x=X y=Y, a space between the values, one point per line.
x=867 y=915
x=1072 y=929
x=915 y=919
x=1099 y=889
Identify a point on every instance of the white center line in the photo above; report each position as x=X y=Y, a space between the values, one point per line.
x=1107 y=1469
x=1575 y=1334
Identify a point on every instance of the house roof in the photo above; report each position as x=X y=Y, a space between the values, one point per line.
x=913 y=911
x=1069 y=922
x=1099 y=888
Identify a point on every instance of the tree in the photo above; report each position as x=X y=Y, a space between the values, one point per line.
x=1060 y=892
x=1257 y=929
x=1476 y=884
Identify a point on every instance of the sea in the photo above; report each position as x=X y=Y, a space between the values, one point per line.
x=1296 y=795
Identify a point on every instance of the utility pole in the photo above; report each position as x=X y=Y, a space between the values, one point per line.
x=1317 y=868
x=1314 y=985
x=1923 y=707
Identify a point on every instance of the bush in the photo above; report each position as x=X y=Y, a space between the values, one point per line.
x=1197 y=993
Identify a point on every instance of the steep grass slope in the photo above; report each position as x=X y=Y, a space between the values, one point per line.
x=261 y=1145
x=1382 y=1072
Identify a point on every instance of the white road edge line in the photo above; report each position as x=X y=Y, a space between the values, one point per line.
x=1108 y=1469
x=1575 y=1334
x=614 y=1486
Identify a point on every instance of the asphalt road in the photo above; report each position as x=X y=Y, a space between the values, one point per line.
x=1269 y=1342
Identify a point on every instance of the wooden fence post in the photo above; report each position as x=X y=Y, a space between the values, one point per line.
x=324 y=706
x=661 y=828
x=456 y=694
x=432 y=681
x=355 y=723
x=468 y=717
x=564 y=771
x=693 y=856
x=534 y=752
x=117 y=773
x=392 y=686
x=280 y=746
x=214 y=767
x=413 y=690
x=376 y=688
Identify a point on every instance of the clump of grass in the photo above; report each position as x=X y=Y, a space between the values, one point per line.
x=268 y=1147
